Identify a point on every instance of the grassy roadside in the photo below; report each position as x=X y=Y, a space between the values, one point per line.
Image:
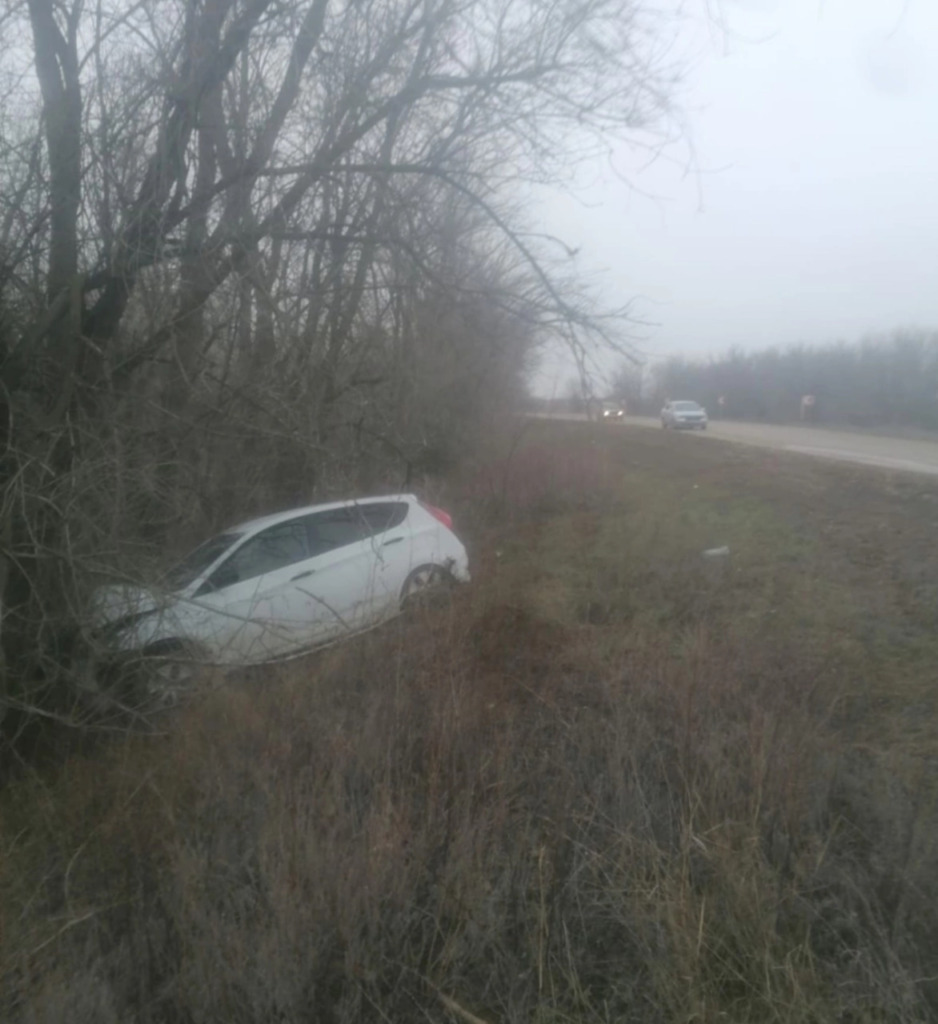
x=611 y=781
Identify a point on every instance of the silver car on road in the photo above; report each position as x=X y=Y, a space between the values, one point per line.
x=683 y=415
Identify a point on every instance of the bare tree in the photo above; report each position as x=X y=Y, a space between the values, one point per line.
x=286 y=230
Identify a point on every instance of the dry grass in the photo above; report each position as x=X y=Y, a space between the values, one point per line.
x=606 y=783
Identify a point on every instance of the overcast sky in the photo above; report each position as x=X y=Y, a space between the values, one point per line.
x=813 y=212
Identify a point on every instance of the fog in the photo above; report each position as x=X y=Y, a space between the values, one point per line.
x=799 y=202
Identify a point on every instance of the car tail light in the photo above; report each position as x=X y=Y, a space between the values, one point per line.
x=444 y=517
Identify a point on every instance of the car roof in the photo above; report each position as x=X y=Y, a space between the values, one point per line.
x=252 y=525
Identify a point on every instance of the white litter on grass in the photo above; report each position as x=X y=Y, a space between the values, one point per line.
x=716 y=552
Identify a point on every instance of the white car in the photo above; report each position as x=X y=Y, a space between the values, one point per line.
x=684 y=416
x=286 y=583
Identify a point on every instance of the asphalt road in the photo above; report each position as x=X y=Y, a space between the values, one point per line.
x=909 y=455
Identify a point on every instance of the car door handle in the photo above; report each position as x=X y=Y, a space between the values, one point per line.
x=393 y=540
x=302 y=575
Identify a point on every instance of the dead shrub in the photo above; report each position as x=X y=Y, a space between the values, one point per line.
x=473 y=806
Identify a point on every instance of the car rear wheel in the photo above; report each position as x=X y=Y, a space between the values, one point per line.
x=424 y=585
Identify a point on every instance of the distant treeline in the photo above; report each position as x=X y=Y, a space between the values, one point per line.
x=878 y=381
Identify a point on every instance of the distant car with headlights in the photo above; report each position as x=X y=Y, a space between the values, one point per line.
x=683 y=415
x=612 y=411
x=289 y=582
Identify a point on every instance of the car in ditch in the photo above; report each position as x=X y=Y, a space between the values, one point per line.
x=683 y=415
x=284 y=584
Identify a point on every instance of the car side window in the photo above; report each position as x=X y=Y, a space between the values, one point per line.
x=341 y=526
x=380 y=516
x=333 y=529
x=272 y=549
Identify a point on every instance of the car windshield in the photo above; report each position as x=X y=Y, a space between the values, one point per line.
x=196 y=562
x=685 y=406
